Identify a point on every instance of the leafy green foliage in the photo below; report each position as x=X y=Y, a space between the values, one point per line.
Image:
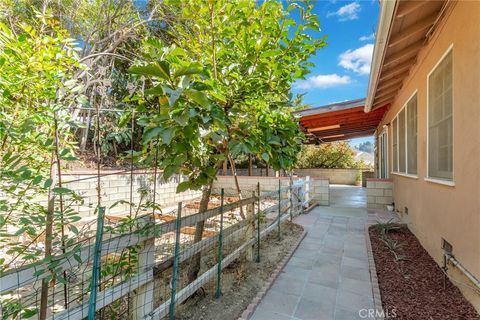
x=329 y=155
x=219 y=92
x=36 y=87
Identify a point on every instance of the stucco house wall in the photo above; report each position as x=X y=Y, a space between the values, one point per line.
x=437 y=211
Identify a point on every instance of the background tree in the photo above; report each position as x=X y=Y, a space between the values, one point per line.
x=335 y=155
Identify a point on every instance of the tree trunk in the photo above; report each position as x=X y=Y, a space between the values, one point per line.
x=237 y=185
x=195 y=263
x=225 y=167
x=48 y=239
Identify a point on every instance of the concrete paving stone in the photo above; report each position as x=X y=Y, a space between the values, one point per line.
x=355 y=262
x=303 y=253
x=329 y=258
x=263 y=314
x=355 y=273
x=359 y=254
x=333 y=251
x=325 y=278
x=288 y=284
x=314 y=310
x=356 y=286
x=302 y=262
x=317 y=292
x=310 y=246
x=353 y=302
x=280 y=302
x=342 y=314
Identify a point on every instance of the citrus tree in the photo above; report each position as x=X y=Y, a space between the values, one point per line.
x=223 y=89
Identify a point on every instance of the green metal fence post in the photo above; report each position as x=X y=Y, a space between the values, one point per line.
x=291 y=198
x=279 y=206
x=173 y=292
x=92 y=305
x=258 y=222
x=218 y=293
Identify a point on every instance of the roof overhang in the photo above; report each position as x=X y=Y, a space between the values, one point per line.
x=339 y=121
x=404 y=27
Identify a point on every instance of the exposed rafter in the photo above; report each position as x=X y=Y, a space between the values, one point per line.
x=401 y=68
x=408 y=7
x=412 y=30
x=408 y=52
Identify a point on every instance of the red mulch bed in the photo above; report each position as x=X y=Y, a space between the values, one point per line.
x=415 y=288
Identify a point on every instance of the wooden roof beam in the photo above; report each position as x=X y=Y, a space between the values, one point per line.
x=408 y=7
x=408 y=52
x=401 y=68
x=386 y=93
x=389 y=84
x=384 y=100
x=412 y=30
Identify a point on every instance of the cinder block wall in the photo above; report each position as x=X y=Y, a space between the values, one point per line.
x=335 y=176
x=249 y=183
x=379 y=193
x=320 y=191
x=117 y=187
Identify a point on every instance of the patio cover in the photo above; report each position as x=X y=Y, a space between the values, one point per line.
x=339 y=121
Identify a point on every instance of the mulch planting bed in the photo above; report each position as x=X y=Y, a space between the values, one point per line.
x=414 y=288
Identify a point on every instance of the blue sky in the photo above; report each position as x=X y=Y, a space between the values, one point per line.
x=342 y=67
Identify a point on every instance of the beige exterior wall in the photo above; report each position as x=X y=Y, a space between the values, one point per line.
x=438 y=211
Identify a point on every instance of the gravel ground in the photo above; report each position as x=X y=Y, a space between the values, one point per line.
x=241 y=280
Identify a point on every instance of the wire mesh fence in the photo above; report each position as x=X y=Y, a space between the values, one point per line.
x=143 y=264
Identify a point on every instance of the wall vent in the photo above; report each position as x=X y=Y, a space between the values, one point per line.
x=447 y=247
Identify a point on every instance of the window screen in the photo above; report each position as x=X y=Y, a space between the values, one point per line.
x=440 y=121
x=401 y=141
x=412 y=135
x=395 y=145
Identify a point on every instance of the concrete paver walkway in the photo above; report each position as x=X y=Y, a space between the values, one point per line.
x=328 y=275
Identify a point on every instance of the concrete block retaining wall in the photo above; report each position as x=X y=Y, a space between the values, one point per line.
x=335 y=176
x=320 y=191
x=318 y=188
x=117 y=187
x=379 y=193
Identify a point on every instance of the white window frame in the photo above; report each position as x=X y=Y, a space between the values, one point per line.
x=404 y=107
x=446 y=182
x=383 y=154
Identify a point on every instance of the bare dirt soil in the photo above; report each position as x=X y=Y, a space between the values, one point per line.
x=414 y=288
x=241 y=280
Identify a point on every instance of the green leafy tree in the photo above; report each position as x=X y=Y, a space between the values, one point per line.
x=223 y=89
x=337 y=155
x=37 y=63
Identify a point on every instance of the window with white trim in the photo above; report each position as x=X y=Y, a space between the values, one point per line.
x=440 y=121
x=412 y=135
x=405 y=138
x=382 y=155
x=395 y=145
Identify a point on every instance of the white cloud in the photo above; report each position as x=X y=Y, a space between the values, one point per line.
x=367 y=38
x=357 y=60
x=322 y=81
x=347 y=12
